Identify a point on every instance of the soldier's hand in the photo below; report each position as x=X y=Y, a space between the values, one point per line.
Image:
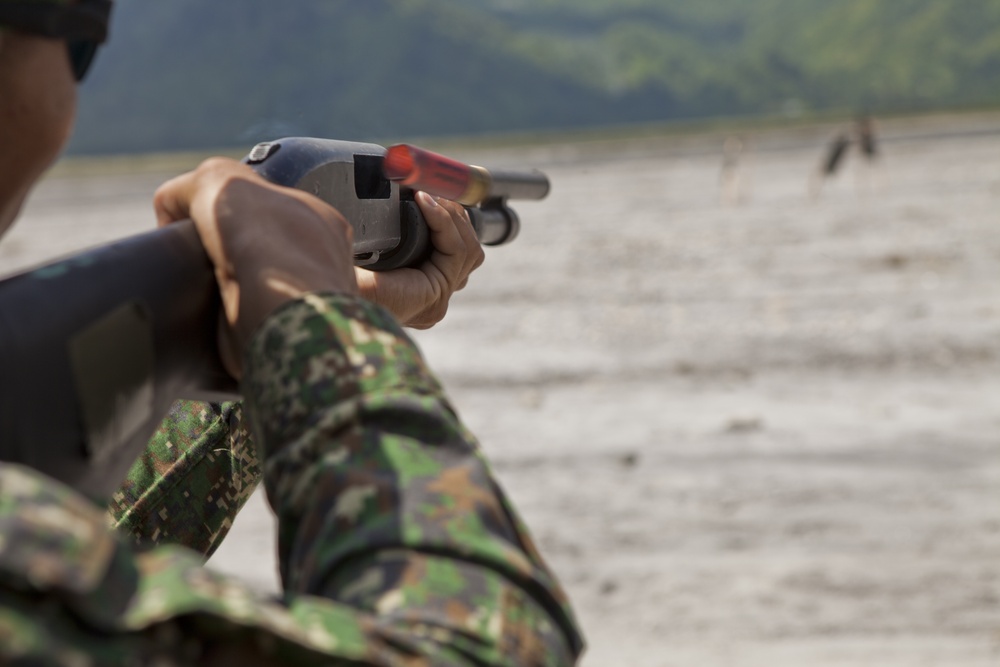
x=418 y=297
x=269 y=244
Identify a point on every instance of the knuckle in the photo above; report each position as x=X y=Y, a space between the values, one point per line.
x=437 y=312
x=348 y=232
x=222 y=172
x=480 y=256
x=340 y=224
x=214 y=165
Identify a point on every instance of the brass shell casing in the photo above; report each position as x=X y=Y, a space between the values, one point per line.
x=480 y=183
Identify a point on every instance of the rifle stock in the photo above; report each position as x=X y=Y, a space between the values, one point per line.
x=96 y=347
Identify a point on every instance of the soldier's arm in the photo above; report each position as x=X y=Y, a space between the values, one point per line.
x=383 y=499
x=197 y=472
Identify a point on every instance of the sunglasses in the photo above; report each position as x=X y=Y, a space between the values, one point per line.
x=84 y=26
x=81 y=56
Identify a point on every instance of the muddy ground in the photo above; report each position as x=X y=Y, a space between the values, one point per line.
x=748 y=433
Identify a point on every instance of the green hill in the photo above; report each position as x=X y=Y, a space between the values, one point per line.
x=196 y=73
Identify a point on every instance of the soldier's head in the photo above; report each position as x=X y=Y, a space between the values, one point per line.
x=46 y=46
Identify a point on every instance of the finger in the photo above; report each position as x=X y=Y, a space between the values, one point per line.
x=460 y=218
x=445 y=236
x=172 y=200
x=445 y=267
x=472 y=250
x=474 y=255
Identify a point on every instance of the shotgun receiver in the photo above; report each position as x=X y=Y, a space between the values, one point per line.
x=94 y=348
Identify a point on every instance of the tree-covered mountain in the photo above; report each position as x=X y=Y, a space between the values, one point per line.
x=212 y=73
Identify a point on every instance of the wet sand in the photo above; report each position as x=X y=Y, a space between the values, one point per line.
x=744 y=433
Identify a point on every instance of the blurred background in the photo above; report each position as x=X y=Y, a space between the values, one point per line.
x=741 y=370
x=190 y=74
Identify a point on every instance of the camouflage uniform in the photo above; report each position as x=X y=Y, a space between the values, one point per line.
x=197 y=472
x=396 y=545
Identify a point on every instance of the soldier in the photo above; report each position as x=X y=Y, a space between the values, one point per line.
x=396 y=544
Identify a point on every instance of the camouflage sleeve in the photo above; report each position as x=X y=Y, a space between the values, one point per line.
x=397 y=547
x=197 y=472
x=383 y=499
